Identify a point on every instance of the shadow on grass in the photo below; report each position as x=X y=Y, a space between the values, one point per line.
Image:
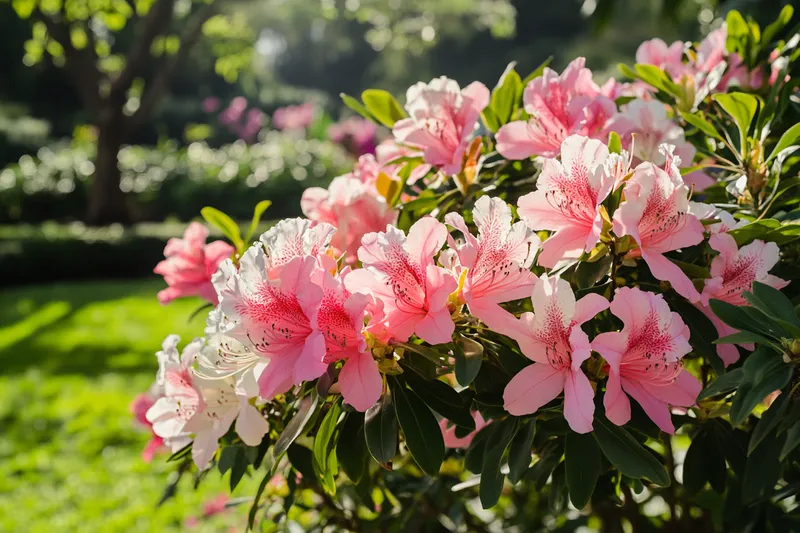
x=89 y=328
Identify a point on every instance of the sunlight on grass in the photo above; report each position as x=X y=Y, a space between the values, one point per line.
x=73 y=358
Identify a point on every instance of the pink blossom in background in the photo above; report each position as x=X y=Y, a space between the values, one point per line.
x=294 y=117
x=560 y=106
x=341 y=318
x=449 y=432
x=668 y=58
x=357 y=135
x=181 y=399
x=567 y=200
x=211 y=104
x=497 y=261
x=139 y=407
x=353 y=207
x=190 y=263
x=733 y=272
x=442 y=118
x=400 y=271
x=551 y=337
x=655 y=213
x=234 y=112
x=644 y=359
x=213 y=507
x=252 y=125
x=711 y=52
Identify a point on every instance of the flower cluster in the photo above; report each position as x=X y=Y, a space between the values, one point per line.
x=555 y=266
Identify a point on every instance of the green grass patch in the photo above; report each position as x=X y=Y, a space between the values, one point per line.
x=73 y=356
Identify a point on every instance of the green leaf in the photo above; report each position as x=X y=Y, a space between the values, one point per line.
x=694 y=472
x=627 y=71
x=776 y=304
x=742 y=108
x=762 y=471
x=764 y=372
x=239 y=467
x=792 y=440
x=380 y=430
x=557 y=498
x=325 y=448
x=754 y=230
x=538 y=71
x=302 y=460
x=790 y=138
x=614 y=143
x=769 y=420
x=702 y=332
x=520 y=452
x=696 y=120
x=354 y=455
x=735 y=316
x=469 y=358
x=491 y=477
x=420 y=428
x=724 y=384
x=506 y=97
x=490 y=119
x=251 y=516
x=356 y=106
x=627 y=454
x=225 y=224
x=383 y=106
x=656 y=77
x=227 y=458
x=772 y=30
x=583 y=464
x=442 y=398
x=473 y=459
x=739 y=38
x=257 y=212
x=305 y=411
x=742 y=337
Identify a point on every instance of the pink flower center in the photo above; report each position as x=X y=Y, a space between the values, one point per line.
x=555 y=337
x=337 y=328
x=573 y=196
x=184 y=394
x=738 y=277
x=276 y=319
x=661 y=218
x=647 y=355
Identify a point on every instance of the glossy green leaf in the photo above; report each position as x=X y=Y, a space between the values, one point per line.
x=305 y=411
x=583 y=467
x=790 y=138
x=442 y=398
x=762 y=470
x=724 y=384
x=225 y=224
x=257 y=213
x=469 y=358
x=507 y=96
x=764 y=372
x=742 y=337
x=775 y=304
x=496 y=445
x=614 y=143
x=356 y=106
x=769 y=421
x=380 y=430
x=627 y=454
x=742 y=108
x=352 y=455
x=792 y=440
x=739 y=37
x=696 y=120
x=325 y=464
x=538 y=71
x=423 y=436
x=520 y=452
x=382 y=105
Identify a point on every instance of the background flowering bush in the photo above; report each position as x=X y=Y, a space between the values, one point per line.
x=556 y=292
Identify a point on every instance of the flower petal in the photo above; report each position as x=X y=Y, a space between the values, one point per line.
x=533 y=387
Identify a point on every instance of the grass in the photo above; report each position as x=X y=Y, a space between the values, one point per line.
x=73 y=356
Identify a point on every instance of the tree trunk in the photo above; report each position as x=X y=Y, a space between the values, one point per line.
x=107 y=202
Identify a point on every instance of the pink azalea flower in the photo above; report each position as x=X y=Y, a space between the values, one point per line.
x=551 y=336
x=389 y=151
x=655 y=213
x=733 y=272
x=441 y=120
x=182 y=399
x=296 y=237
x=497 y=262
x=210 y=104
x=667 y=58
x=567 y=200
x=712 y=52
x=560 y=106
x=352 y=206
x=190 y=263
x=449 y=432
x=139 y=407
x=644 y=127
x=294 y=117
x=225 y=400
x=644 y=359
x=341 y=317
x=400 y=271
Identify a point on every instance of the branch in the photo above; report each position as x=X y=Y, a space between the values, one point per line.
x=79 y=64
x=156 y=21
x=156 y=89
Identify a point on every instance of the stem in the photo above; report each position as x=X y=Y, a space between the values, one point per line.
x=614 y=266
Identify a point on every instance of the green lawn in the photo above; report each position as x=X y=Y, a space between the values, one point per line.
x=73 y=356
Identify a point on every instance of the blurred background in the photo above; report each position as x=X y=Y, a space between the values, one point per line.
x=121 y=119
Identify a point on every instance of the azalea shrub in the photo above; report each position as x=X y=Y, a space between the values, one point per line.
x=549 y=305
